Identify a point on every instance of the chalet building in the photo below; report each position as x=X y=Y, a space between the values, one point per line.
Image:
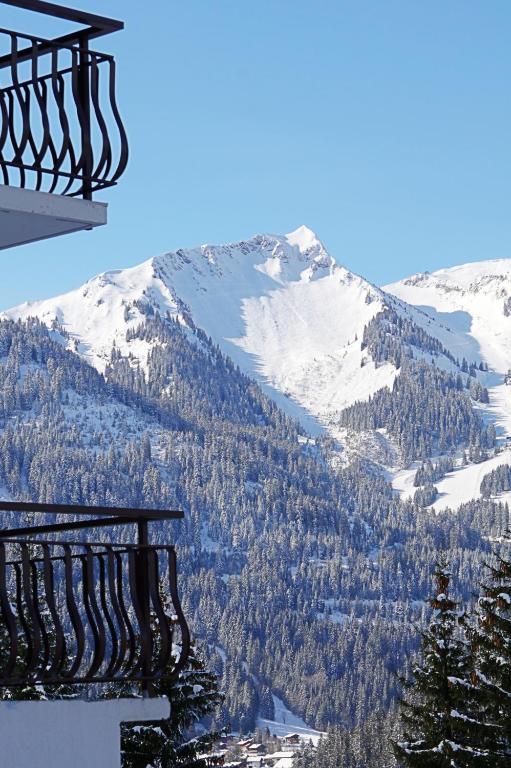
x=292 y=738
x=256 y=749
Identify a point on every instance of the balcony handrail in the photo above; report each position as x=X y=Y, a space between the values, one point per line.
x=96 y=26
x=75 y=612
x=60 y=126
x=47 y=46
x=98 y=633
x=86 y=509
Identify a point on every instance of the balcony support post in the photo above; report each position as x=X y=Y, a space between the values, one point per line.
x=84 y=95
x=143 y=591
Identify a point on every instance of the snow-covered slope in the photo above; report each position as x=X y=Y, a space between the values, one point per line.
x=471 y=307
x=293 y=318
x=457 y=487
x=286 y=722
x=280 y=306
x=473 y=301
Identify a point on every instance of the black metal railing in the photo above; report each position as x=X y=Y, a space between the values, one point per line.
x=88 y=612
x=60 y=126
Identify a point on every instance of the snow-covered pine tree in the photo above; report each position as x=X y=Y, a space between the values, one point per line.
x=170 y=743
x=266 y=704
x=306 y=758
x=491 y=647
x=434 y=709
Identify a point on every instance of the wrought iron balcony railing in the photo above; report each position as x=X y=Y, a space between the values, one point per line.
x=60 y=126
x=83 y=612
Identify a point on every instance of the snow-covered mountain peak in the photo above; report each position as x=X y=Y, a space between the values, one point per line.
x=279 y=305
x=304 y=239
x=297 y=256
x=315 y=335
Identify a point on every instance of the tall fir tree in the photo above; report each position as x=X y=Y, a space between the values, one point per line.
x=491 y=646
x=434 y=710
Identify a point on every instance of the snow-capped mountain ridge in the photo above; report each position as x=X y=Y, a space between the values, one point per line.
x=291 y=317
x=297 y=256
x=473 y=304
x=280 y=306
x=294 y=319
x=473 y=301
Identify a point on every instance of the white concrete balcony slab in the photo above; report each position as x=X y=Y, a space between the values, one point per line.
x=27 y=216
x=61 y=734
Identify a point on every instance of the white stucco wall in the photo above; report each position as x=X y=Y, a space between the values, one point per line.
x=70 y=734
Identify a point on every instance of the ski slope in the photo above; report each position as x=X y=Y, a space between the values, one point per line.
x=457 y=487
x=471 y=309
x=286 y=722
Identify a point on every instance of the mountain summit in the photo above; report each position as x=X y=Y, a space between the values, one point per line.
x=279 y=306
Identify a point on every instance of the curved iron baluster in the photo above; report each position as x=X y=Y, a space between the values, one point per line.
x=130 y=663
x=34 y=646
x=21 y=610
x=19 y=147
x=38 y=154
x=74 y=613
x=12 y=139
x=114 y=642
x=43 y=661
x=49 y=142
x=85 y=146
x=105 y=160
x=8 y=617
x=144 y=658
x=165 y=630
x=122 y=643
x=4 y=132
x=59 y=654
x=58 y=89
x=123 y=139
x=185 y=632
x=93 y=612
x=31 y=166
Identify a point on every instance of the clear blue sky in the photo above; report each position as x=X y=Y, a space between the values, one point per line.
x=384 y=126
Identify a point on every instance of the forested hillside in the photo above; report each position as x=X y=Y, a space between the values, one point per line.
x=301 y=579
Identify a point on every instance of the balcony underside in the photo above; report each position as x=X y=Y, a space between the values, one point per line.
x=27 y=216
